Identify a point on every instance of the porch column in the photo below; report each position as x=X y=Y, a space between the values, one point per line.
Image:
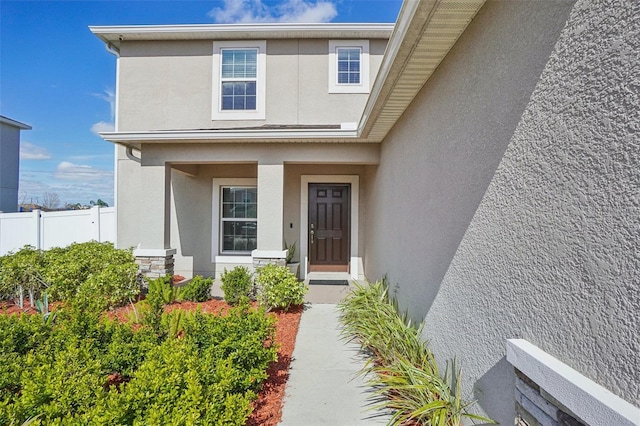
x=270 y=215
x=153 y=254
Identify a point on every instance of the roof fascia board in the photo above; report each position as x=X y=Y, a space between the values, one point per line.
x=384 y=82
x=115 y=34
x=246 y=134
x=399 y=65
x=14 y=123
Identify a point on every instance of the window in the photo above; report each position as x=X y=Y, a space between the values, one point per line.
x=238 y=219
x=239 y=80
x=348 y=66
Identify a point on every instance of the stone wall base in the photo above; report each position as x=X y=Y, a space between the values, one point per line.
x=259 y=262
x=535 y=407
x=155 y=266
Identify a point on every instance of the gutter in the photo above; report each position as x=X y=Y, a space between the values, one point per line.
x=224 y=135
x=112 y=49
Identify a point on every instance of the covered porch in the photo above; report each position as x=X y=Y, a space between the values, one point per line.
x=211 y=207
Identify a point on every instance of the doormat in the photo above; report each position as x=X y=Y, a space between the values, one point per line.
x=328 y=282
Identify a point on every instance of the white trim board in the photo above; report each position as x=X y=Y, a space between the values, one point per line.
x=354 y=180
x=364 y=85
x=588 y=400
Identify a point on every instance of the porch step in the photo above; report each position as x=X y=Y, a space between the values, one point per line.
x=321 y=294
x=328 y=293
x=318 y=293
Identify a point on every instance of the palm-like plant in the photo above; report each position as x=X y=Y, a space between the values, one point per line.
x=405 y=375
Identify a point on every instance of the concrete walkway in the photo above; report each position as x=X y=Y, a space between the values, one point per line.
x=323 y=388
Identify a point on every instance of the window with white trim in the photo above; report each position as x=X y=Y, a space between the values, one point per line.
x=238 y=219
x=348 y=66
x=239 y=80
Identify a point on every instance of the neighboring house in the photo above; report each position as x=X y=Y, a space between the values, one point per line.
x=29 y=207
x=489 y=168
x=10 y=162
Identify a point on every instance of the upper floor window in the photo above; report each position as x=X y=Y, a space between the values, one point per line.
x=348 y=66
x=239 y=80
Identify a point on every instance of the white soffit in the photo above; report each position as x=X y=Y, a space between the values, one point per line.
x=424 y=34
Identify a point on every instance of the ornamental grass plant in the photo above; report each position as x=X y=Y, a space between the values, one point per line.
x=402 y=369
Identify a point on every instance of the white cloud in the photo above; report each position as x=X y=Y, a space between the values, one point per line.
x=109 y=96
x=246 y=11
x=34 y=184
x=304 y=11
x=78 y=172
x=102 y=126
x=29 y=151
x=90 y=157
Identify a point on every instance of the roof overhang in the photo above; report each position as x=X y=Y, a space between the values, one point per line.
x=423 y=35
x=14 y=123
x=256 y=135
x=113 y=35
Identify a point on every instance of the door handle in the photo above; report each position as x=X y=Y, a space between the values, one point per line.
x=312 y=233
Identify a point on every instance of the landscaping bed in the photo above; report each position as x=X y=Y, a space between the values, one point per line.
x=175 y=356
x=267 y=407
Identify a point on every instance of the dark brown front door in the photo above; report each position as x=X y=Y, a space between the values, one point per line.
x=329 y=225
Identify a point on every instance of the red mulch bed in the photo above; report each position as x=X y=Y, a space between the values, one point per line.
x=267 y=409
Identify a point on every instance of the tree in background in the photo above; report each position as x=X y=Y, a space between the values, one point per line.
x=50 y=200
x=99 y=203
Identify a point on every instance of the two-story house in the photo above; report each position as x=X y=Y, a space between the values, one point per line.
x=482 y=154
x=234 y=139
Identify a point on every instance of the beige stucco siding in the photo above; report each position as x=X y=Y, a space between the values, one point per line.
x=168 y=85
x=503 y=206
x=164 y=86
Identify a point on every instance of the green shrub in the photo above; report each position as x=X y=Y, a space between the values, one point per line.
x=161 y=292
x=22 y=272
x=64 y=373
x=405 y=374
x=162 y=288
x=198 y=289
x=236 y=284
x=279 y=288
x=93 y=275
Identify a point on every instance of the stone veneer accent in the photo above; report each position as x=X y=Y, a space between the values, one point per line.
x=259 y=262
x=155 y=266
x=535 y=407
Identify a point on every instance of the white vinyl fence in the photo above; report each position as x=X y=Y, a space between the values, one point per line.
x=44 y=230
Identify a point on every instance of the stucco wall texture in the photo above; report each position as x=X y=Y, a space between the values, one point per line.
x=167 y=85
x=551 y=252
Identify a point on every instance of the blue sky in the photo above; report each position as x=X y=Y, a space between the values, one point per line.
x=57 y=77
